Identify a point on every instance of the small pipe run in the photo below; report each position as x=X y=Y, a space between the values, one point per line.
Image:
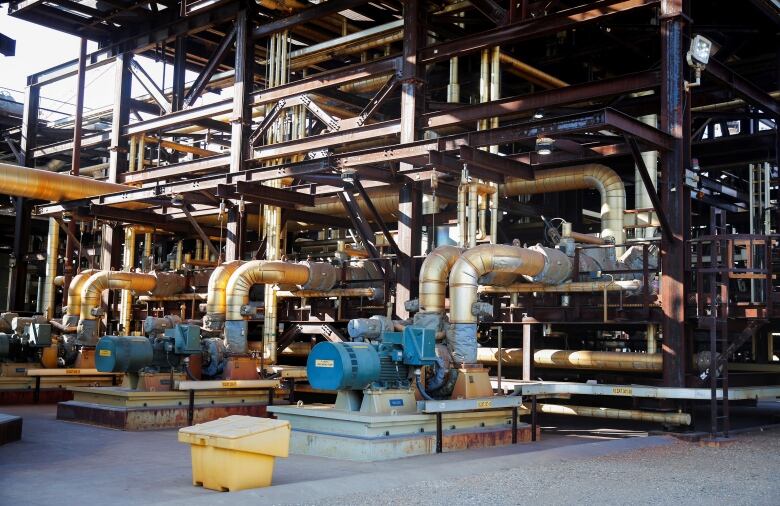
x=126 y=308
x=579 y=177
x=537 y=263
x=434 y=272
x=335 y=292
x=570 y=287
x=615 y=414
x=575 y=359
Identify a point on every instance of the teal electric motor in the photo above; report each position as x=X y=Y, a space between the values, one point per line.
x=130 y=354
x=385 y=362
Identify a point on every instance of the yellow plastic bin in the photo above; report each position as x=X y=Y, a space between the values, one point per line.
x=236 y=452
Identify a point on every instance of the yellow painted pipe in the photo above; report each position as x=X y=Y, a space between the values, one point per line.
x=216 y=305
x=336 y=292
x=74 y=293
x=52 y=252
x=259 y=272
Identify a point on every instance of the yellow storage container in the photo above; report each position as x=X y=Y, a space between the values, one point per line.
x=236 y=452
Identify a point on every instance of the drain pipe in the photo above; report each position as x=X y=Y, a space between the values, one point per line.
x=537 y=263
x=615 y=414
x=575 y=359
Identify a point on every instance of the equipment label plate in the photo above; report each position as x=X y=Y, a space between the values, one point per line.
x=323 y=363
x=484 y=404
x=72 y=371
x=105 y=353
x=229 y=384
x=622 y=391
x=396 y=402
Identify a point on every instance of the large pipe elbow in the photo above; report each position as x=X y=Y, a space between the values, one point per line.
x=216 y=302
x=579 y=177
x=260 y=272
x=434 y=273
x=537 y=263
x=115 y=280
x=74 y=296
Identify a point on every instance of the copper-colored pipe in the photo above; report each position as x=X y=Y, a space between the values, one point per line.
x=110 y=280
x=579 y=177
x=576 y=359
x=434 y=272
x=532 y=74
x=216 y=304
x=52 y=252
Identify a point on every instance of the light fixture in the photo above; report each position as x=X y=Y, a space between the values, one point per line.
x=697 y=57
x=544 y=145
x=539 y=114
x=699 y=52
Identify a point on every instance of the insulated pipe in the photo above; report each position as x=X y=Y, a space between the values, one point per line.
x=335 y=292
x=434 y=272
x=472 y=218
x=126 y=308
x=570 y=287
x=216 y=304
x=539 y=264
x=579 y=177
x=262 y=272
x=616 y=414
x=70 y=318
x=575 y=359
x=52 y=186
x=52 y=252
x=110 y=280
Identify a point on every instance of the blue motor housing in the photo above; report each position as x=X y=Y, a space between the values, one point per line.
x=382 y=363
x=342 y=366
x=123 y=353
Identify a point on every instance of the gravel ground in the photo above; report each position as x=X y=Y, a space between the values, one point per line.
x=681 y=473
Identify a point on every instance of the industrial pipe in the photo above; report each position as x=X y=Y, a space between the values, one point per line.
x=335 y=292
x=616 y=414
x=537 y=263
x=216 y=304
x=570 y=287
x=306 y=275
x=575 y=359
x=434 y=272
x=71 y=316
x=579 y=177
x=128 y=261
x=111 y=280
x=52 y=252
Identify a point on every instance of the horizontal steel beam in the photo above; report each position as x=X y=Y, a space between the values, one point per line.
x=744 y=88
x=495 y=163
x=529 y=29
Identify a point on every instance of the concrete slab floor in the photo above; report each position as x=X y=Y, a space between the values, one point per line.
x=63 y=463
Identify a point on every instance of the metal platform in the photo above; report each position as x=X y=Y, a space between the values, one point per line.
x=48 y=385
x=542 y=388
x=321 y=430
x=125 y=409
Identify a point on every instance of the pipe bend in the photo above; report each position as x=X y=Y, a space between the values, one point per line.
x=259 y=272
x=216 y=301
x=74 y=291
x=110 y=280
x=434 y=272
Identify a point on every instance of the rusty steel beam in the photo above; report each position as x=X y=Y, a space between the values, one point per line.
x=260 y=193
x=499 y=164
x=217 y=163
x=377 y=217
x=451 y=164
x=544 y=100
x=160 y=221
x=494 y=12
x=268 y=120
x=360 y=224
x=304 y=16
x=149 y=85
x=185 y=207
x=205 y=75
x=378 y=99
x=744 y=88
x=527 y=30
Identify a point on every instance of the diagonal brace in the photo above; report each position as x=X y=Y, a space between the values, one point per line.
x=146 y=81
x=205 y=75
x=330 y=122
x=650 y=187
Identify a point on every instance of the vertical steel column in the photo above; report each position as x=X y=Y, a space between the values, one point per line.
x=410 y=201
x=239 y=139
x=675 y=120
x=75 y=166
x=179 y=72
x=17 y=282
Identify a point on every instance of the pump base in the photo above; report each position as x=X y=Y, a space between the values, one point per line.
x=124 y=409
x=473 y=382
x=240 y=368
x=323 y=431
